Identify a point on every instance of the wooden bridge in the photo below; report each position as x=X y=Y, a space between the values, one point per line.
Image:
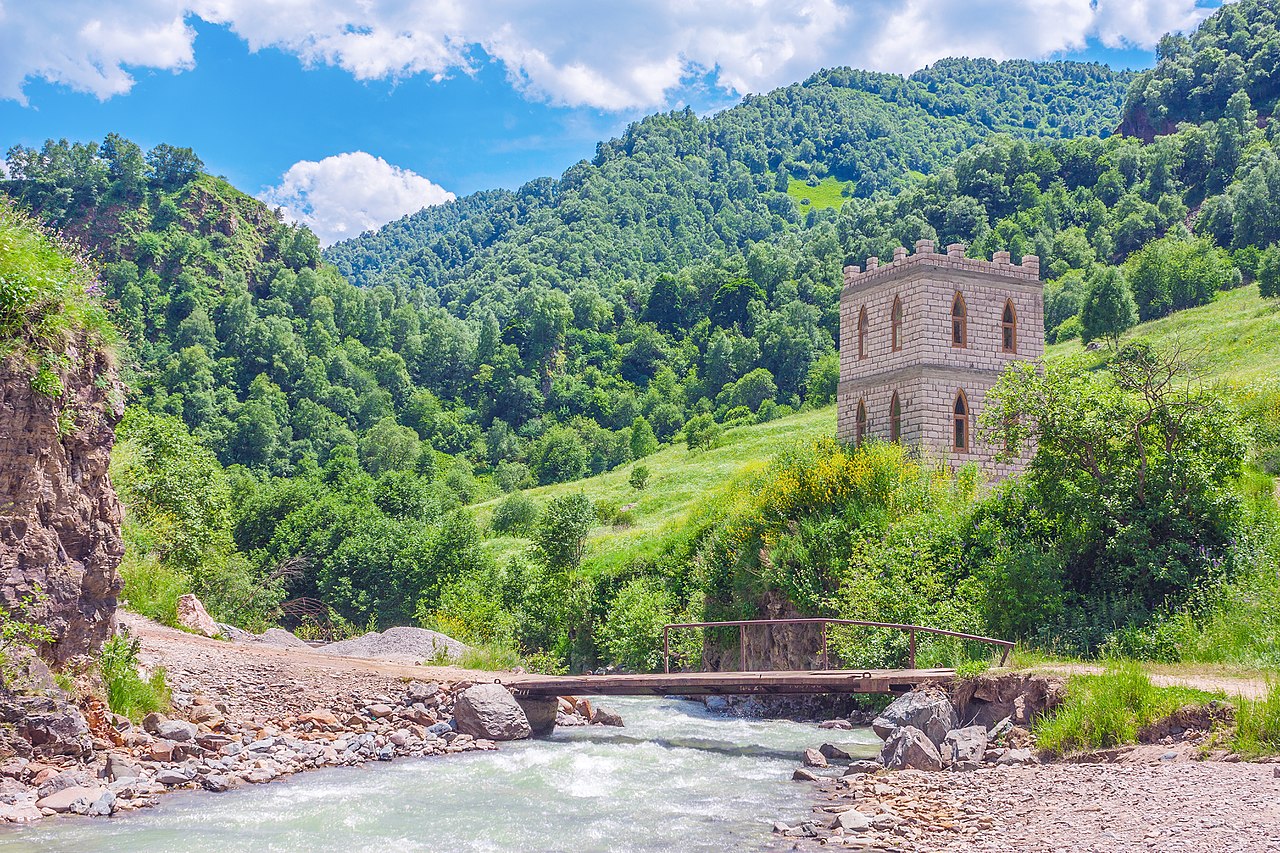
x=744 y=681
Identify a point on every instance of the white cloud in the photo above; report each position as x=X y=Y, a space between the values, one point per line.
x=341 y=196
x=623 y=54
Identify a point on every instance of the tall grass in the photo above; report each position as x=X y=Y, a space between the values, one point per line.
x=490 y=658
x=1107 y=710
x=1258 y=725
x=48 y=297
x=128 y=693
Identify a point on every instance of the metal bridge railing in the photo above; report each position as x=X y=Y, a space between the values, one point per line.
x=823 y=622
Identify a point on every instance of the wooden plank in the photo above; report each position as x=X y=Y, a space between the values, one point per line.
x=704 y=683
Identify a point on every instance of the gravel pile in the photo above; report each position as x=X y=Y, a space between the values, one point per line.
x=281 y=637
x=401 y=645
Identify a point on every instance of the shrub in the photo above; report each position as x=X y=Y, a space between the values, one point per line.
x=516 y=514
x=512 y=476
x=561 y=535
x=632 y=631
x=128 y=693
x=701 y=432
x=639 y=478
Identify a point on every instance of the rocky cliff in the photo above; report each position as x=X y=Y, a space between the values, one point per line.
x=59 y=517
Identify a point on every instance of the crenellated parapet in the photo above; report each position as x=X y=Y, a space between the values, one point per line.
x=954 y=259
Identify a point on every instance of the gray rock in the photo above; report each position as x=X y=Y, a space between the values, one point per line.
x=104 y=805
x=834 y=753
x=76 y=799
x=421 y=691
x=64 y=780
x=803 y=775
x=859 y=768
x=814 y=758
x=386 y=753
x=179 y=731
x=1017 y=757
x=214 y=782
x=908 y=748
x=718 y=704
x=541 y=714
x=852 y=821
x=171 y=777
x=490 y=711
x=843 y=725
x=119 y=767
x=604 y=717
x=964 y=747
x=441 y=727
x=930 y=711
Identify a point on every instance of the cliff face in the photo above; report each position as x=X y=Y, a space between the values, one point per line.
x=59 y=516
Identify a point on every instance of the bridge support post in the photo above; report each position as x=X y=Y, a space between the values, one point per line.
x=742 y=648
x=911 y=652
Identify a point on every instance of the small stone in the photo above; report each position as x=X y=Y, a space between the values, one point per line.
x=780 y=828
x=852 y=821
x=379 y=710
x=803 y=775
x=170 y=777
x=860 y=768
x=75 y=799
x=179 y=731
x=814 y=758
x=604 y=717
x=843 y=725
x=834 y=753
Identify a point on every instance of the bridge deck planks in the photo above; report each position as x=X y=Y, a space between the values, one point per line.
x=704 y=683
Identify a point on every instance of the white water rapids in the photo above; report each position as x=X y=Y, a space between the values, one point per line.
x=675 y=778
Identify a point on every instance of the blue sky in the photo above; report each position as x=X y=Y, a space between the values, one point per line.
x=395 y=105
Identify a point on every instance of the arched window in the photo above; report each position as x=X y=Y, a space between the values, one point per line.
x=860 y=430
x=1009 y=328
x=895 y=418
x=961 y=421
x=862 y=333
x=959 y=322
x=896 y=317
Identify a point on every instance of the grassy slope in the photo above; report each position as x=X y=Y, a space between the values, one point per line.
x=828 y=193
x=680 y=484
x=1237 y=337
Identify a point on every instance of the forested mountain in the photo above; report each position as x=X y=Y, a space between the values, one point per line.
x=675 y=189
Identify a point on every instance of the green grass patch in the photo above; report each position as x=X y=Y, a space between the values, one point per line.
x=1102 y=711
x=1258 y=725
x=127 y=692
x=829 y=193
x=490 y=658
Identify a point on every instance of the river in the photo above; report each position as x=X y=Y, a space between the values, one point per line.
x=675 y=778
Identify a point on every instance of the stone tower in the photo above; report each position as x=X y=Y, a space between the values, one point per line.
x=922 y=340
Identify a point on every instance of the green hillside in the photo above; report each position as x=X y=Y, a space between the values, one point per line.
x=1235 y=338
x=682 y=484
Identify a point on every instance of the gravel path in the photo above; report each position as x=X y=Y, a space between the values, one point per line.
x=257 y=679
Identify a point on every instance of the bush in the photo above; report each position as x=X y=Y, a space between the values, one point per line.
x=152 y=587
x=515 y=515
x=512 y=476
x=701 y=432
x=127 y=693
x=631 y=633
x=639 y=478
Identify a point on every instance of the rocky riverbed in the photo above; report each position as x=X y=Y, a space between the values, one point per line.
x=249 y=714
x=947 y=782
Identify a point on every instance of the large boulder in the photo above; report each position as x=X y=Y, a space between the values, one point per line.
x=908 y=748
x=490 y=711
x=930 y=711
x=193 y=616
x=540 y=711
x=963 y=749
